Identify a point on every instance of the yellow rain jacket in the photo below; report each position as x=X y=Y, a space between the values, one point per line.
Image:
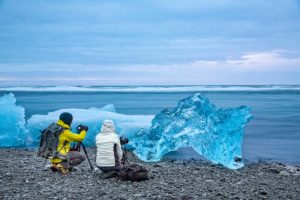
x=65 y=139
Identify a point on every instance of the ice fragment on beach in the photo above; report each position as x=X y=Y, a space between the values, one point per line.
x=216 y=134
x=12 y=126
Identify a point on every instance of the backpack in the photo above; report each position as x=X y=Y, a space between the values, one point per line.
x=49 y=141
x=133 y=172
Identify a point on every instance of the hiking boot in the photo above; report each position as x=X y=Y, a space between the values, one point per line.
x=59 y=167
x=73 y=169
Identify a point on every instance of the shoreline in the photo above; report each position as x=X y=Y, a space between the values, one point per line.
x=23 y=177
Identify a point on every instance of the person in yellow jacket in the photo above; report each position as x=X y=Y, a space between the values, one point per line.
x=67 y=159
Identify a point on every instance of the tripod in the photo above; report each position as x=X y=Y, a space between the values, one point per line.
x=77 y=146
x=124 y=158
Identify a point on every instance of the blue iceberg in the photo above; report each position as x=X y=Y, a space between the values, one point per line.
x=126 y=125
x=216 y=134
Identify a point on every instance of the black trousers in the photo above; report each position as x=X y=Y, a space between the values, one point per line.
x=75 y=158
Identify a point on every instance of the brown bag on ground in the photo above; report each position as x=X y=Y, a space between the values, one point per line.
x=133 y=172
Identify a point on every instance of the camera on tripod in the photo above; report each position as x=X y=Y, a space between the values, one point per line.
x=76 y=146
x=124 y=140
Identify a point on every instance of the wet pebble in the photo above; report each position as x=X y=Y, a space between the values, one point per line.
x=284 y=173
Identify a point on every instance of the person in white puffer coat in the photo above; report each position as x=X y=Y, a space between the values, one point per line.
x=109 y=151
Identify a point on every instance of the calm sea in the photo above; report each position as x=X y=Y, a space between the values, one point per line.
x=273 y=133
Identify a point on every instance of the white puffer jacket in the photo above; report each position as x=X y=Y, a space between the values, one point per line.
x=105 y=142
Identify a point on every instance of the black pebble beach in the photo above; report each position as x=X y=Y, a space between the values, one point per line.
x=22 y=177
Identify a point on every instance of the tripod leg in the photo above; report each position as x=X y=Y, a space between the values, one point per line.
x=85 y=152
x=125 y=158
x=78 y=146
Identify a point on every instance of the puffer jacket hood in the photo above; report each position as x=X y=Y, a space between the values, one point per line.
x=108 y=127
x=63 y=124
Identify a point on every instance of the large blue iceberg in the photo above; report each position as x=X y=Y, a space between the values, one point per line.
x=126 y=125
x=216 y=134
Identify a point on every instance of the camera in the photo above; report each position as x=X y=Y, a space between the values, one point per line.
x=124 y=140
x=81 y=128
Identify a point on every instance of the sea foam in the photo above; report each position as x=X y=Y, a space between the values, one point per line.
x=199 y=88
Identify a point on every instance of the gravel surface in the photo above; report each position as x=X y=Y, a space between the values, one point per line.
x=23 y=177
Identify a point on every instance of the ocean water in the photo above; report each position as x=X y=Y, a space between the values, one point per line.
x=272 y=135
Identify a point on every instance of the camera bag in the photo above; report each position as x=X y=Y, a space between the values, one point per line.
x=133 y=172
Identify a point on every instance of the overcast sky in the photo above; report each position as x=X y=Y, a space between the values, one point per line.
x=113 y=42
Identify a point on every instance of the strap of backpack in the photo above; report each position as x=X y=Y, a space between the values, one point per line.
x=64 y=144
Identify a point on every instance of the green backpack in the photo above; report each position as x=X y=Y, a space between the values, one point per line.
x=49 y=141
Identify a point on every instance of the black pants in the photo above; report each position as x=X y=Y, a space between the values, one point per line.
x=75 y=158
